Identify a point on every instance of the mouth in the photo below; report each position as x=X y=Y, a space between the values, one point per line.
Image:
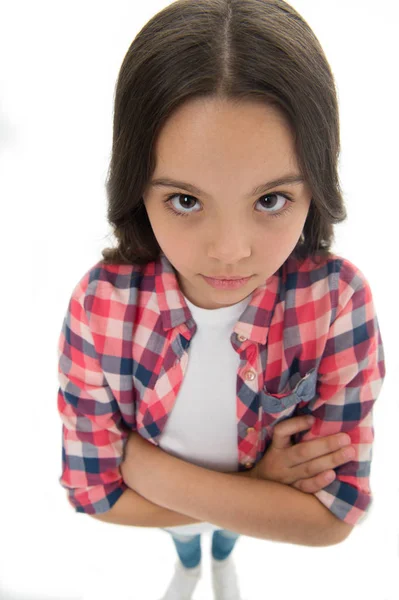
x=227 y=284
x=225 y=278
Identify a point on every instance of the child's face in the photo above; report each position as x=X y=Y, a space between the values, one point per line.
x=225 y=150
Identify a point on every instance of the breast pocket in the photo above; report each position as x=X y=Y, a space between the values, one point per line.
x=277 y=407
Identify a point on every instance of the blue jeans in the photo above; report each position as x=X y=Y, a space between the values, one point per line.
x=189 y=546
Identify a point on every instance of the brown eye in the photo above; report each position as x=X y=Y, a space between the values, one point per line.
x=275 y=203
x=174 y=208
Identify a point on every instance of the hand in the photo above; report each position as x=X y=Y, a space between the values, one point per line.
x=304 y=466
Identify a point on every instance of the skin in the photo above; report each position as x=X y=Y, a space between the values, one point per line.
x=226 y=148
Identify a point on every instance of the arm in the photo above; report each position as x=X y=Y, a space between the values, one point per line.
x=134 y=510
x=256 y=508
x=93 y=433
x=350 y=376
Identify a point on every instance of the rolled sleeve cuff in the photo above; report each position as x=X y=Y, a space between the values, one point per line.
x=346 y=502
x=96 y=499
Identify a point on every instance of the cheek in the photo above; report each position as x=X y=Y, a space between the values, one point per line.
x=281 y=239
x=163 y=227
x=174 y=241
x=291 y=228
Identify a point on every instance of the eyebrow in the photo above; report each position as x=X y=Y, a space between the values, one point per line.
x=259 y=189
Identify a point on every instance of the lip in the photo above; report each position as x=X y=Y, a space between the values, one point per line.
x=223 y=278
x=226 y=284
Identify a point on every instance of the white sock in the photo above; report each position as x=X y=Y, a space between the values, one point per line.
x=183 y=583
x=224 y=579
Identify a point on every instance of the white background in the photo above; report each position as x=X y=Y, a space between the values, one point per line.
x=58 y=68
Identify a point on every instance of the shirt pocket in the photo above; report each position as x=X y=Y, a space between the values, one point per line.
x=278 y=406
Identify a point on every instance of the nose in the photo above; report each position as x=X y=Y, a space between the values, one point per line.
x=229 y=244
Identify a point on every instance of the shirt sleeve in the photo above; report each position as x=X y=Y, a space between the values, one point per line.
x=93 y=435
x=350 y=377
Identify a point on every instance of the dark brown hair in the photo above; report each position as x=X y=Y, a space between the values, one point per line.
x=235 y=50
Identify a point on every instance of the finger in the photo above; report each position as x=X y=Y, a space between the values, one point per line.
x=319 y=455
x=285 y=429
x=315 y=484
x=324 y=447
x=321 y=465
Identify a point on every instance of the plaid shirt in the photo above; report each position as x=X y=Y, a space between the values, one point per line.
x=309 y=344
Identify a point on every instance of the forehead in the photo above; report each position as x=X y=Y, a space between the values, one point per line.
x=215 y=136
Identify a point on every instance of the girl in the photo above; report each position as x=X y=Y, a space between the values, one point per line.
x=222 y=318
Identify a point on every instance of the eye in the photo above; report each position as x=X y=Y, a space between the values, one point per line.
x=270 y=204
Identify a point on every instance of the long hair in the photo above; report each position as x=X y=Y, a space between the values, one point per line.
x=233 y=50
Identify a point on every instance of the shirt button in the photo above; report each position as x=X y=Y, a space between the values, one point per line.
x=250 y=430
x=250 y=375
x=242 y=338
